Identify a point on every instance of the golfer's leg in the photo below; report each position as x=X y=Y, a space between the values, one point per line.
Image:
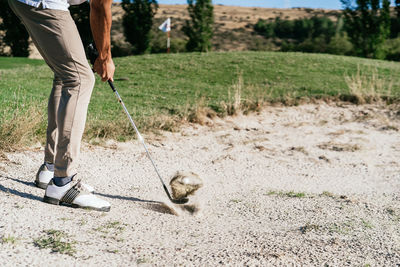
x=77 y=88
x=52 y=133
x=56 y=34
x=52 y=108
x=77 y=85
x=55 y=94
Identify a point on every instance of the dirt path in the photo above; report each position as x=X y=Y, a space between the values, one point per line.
x=307 y=185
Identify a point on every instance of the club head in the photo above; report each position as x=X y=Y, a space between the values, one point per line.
x=180 y=201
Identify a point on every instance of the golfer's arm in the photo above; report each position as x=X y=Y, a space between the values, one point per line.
x=100 y=23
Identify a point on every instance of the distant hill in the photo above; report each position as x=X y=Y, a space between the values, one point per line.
x=233 y=24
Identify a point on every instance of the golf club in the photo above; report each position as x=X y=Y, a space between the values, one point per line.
x=93 y=54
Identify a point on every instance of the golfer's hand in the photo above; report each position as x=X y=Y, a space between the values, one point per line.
x=105 y=68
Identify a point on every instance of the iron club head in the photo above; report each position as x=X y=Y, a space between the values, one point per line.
x=180 y=201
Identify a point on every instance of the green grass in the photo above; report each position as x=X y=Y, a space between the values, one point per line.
x=160 y=90
x=290 y=194
x=111 y=226
x=367 y=224
x=57 y=241
x=8 y=239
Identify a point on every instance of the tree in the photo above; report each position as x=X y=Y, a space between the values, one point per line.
x=395 y=21
x=15 y=34
x=368 y=25
x=137 y=22
x=199 y=28
x=81 y=15
x=340 y=45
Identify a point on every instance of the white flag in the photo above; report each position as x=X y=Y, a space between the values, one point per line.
x=166 y=26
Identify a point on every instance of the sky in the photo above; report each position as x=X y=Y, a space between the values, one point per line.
x=327 y=4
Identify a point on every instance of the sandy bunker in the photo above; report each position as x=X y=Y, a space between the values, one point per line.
x=184 y=184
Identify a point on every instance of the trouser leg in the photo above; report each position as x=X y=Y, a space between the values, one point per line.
x=52 y=132
x=56 y=35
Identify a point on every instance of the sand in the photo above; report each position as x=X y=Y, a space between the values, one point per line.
x=309 y=185
x=184 y=184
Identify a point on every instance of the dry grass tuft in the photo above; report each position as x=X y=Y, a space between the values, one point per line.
x=299 y=149
x=22 y=127
x=256 y=98
x=121 y=129
x=201 y=114
x=368 y=87
x=169 y=123
x=234 y=104
x=339 y=147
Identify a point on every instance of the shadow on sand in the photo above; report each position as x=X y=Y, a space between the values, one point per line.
x=152 y=205
x=16 y=192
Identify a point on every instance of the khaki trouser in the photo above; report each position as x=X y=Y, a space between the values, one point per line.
x=56 y=37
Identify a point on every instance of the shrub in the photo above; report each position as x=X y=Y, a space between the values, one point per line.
x=199 y=29
x=392 y=49
x=340 y=45
x=137 y=22
x=15 y=34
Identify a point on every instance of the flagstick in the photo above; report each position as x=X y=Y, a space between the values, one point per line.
x=168 y=42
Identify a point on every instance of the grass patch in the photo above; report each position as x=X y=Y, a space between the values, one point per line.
x=290 y=194
x=9 y=240
x=367 y=224
x=162 y=91
x=111 y=229
x=367 y=86
x=57 y=241
x=111 y=226
x=21 y=123
x=295 y=194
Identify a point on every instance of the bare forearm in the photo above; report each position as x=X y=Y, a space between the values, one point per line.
x=100 y=23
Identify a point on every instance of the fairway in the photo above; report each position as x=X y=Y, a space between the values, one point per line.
x=158 y=88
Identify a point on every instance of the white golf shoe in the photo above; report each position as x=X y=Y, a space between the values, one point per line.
x=74 y=194
x=44 y=176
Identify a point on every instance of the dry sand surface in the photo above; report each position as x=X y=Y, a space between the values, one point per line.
x=307 y=185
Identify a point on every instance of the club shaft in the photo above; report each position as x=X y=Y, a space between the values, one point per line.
x=139 y=136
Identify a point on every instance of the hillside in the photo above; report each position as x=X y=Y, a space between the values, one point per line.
x=233 y=24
